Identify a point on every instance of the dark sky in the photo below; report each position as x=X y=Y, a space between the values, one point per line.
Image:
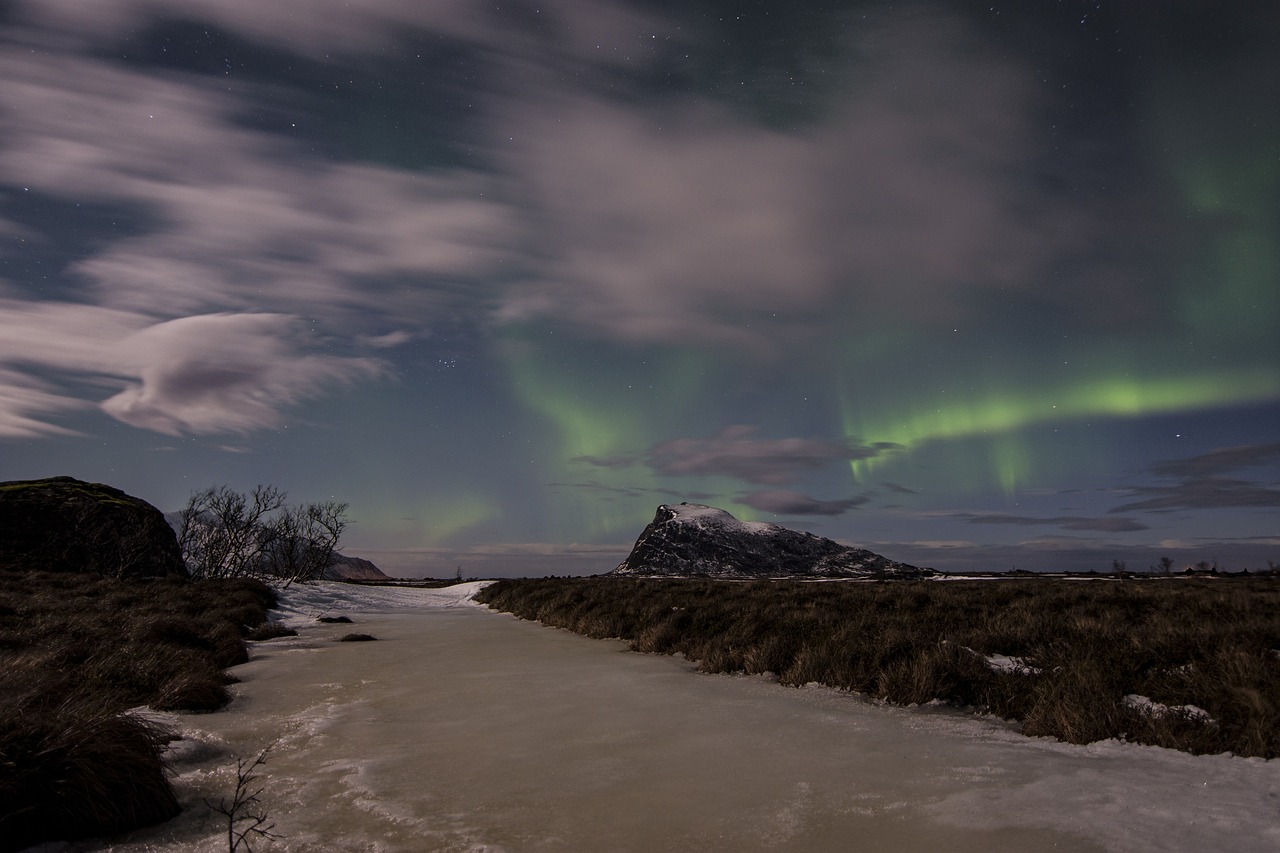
x=976 y=285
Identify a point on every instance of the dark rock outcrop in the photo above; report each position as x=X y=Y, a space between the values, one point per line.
x=344 y=568
x=62 y=524
x=697 y=540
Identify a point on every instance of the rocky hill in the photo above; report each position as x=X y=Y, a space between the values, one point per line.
x=696 y=540
x=62 y=524
x=344 y=568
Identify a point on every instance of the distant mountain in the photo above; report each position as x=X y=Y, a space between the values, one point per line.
x=697 y=540
x=344 y=568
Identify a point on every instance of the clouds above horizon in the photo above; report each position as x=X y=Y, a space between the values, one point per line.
x=1104 y=525
x=682 y=220
x=632 y=216
x=192 y=375
x=249 y=239
x=788 y=502
x=1201 y=484
x=1219 y=461
x=737 y=452
x=573 y=257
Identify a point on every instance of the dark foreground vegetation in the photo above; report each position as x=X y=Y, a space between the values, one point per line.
x=1206 y=650
x=76 y=651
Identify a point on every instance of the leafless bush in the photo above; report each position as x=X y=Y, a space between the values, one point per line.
x=225 y=533
x=246 y=819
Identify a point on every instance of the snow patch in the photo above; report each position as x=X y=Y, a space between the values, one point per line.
x=302 y=604
x=1005 y=663
x=1011 y=665
x=1151 y=708
x=703 y=516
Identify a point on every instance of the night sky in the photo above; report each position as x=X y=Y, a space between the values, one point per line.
x=975 y=285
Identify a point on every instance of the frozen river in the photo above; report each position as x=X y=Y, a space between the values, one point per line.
x=464 y=729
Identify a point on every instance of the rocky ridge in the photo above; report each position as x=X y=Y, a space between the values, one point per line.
x=696 y=540
x=344 y=568
x=61 y=524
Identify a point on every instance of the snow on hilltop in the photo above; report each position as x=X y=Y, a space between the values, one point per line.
x=704 y=517
x=694 y=539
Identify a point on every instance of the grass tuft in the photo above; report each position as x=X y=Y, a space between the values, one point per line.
x=78 y=770
x=76 y=651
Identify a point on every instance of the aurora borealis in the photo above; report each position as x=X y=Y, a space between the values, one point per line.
x=975 y=285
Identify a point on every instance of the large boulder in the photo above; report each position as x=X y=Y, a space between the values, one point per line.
x=696 y=540
x=62 y=524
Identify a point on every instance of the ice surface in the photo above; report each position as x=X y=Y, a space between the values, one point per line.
x=463 y=729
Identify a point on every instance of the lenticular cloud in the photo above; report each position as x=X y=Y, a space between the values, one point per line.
x=223 y=373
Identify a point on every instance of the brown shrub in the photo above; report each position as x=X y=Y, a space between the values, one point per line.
x=75 y=651
x=79 y=771
x=1084 y=645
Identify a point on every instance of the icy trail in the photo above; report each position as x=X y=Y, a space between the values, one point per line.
x=463 y=729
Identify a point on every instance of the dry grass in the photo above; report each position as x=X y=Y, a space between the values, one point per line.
x=76 y=650
x=1080 y=647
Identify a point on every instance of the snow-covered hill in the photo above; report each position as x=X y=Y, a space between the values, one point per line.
x=693 y=539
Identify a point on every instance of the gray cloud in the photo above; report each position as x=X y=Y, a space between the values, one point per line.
x=212 y=373
x=1202 y=485
x=607 y=491
x=242 y=232
x=786 y=502
x=736 y=452
x=1066 y=522
x=1219 y=461
x=606 y=31
x=621 y=461
x=25 y=403
x=224 y=373
x=1057 y=554
x=906 y=202
x=244 y=221
x=1203 y=493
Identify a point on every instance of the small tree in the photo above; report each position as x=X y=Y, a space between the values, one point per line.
x=304 y=539
x=224 y=533
x=245 y=816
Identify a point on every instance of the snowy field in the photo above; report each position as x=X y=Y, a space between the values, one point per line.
x=464 y=729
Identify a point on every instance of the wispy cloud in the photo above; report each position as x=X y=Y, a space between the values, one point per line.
x=26 y=403
x=242 y=220
x=685 y=221
x=203 y=374
x=786 y=502
x=239 y=235
x=737 y=452
x=1066 y=522
x=1203 y=493
x=1219 y=461
x=618 y=461
x=224 y=373
x=604 y=31
x=1201 y=484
